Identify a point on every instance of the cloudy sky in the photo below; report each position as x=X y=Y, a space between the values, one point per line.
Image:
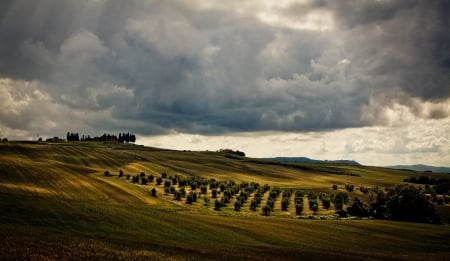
x=357 y=79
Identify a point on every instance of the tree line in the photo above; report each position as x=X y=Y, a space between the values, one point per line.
x=122 y=137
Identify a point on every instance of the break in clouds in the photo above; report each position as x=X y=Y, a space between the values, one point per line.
x=157 y=67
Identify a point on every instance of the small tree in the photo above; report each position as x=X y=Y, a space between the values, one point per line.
x=358 y=208
x=107 y=174
x=151 y=178
x=153 y=191
x=340 y=200
x=237 y=206
x=120 y=173
x=285 y=204
x=217 y=204
x=158 y=181
x=214 y=193
x=190 y=198
x=266 y=210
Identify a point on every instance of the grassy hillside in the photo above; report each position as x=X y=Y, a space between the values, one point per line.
x=56 y=203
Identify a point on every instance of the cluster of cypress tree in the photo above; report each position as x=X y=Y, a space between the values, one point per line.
x=122 y=138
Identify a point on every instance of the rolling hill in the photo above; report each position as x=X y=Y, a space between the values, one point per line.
x=57 y=203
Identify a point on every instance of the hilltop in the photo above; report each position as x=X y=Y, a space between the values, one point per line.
x=74 y=200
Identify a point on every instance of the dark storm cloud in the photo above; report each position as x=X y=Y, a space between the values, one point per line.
x=154 y=66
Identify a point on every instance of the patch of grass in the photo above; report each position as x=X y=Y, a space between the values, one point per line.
x=56 y=203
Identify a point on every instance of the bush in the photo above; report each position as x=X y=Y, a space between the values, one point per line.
x=349 y=188
x=298 y=208
x=358 y=208
x=285 y=204
x=217 y=204
x=340 y=200
x=144 y=181
x=167 y=183
x=177 y=195
x=120 y=173
x=326 y=202
x=253 y=205
x=190 y=198
x=164 y=175
x=106 y=173
x=158 y=181
x=214 y=193
x=135 y=179
x=335 y=187
x=266 y=210
x=151 y=178
x=237 y=206
x=153 y=191
x=205 y=201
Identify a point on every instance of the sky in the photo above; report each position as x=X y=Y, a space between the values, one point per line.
x=353 y=79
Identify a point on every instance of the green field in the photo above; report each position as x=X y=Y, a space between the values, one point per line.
x=56 y=203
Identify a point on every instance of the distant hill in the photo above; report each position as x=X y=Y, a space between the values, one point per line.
x=308 y=160
x=421 y=167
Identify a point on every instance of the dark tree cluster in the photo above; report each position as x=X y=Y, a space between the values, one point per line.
x=122 y=137
x=441 y=185
x=404 y=203
x=232 y=152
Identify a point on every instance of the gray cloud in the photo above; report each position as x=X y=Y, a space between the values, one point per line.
x=153 y=67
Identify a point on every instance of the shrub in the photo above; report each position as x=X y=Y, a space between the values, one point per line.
x=266 y=210
x=349 y=188
x=190 y=198
x=214 y=193
x=340 y=200
x=205 y=201
x=335 y=187
x=153 y=191
x=167 y=190
x=144 y=181
x=128 y=176
x=151 y=178
x=237 y=206
x=167 y=183
x=120 y=173
x=135 y=179
x=326 y=202
x=253 y=205
x=107 y=174
x=358 y=208
x=142 y=174
x=177 y=196
x=314 y=207
x=298 y=208
x=158 y=181
x=217 y=204
x=164 y=175
x=285 y=204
